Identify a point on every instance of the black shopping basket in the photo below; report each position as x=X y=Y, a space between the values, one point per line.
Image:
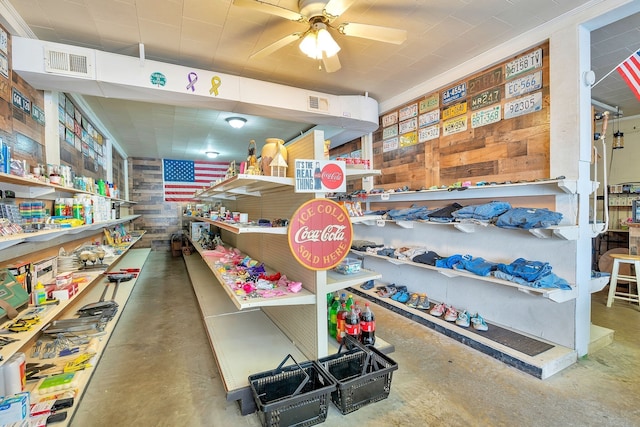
x=295 y=395
x=363 y=375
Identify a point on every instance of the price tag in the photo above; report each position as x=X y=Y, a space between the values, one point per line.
x=384 y=196
x=380 y=222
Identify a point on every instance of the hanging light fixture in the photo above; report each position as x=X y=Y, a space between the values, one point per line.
x=318 y=43
x=618 y=137
x=236 y=122
x=212 y=154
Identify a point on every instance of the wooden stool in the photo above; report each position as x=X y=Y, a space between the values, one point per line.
x=615 y=276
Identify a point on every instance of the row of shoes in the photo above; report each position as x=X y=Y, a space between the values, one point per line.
x=461 y=318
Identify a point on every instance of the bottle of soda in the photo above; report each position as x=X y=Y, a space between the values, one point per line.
x=333 y=317
x=367 y=326
x=340 y=326
x=343 y=298
x=352 y=325
x=356 y=304
x=349 y=302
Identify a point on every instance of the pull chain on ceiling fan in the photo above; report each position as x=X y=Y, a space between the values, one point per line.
x=317 y=42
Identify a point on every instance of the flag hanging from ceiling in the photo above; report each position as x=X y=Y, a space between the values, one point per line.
x=630 y=72
x=182 y=178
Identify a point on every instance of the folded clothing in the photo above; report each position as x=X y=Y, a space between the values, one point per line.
x=485 y=212
x=362 y=245
x=428 y=258
x=528 y=218
x=444 y=214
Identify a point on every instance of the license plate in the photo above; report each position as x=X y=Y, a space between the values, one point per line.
x=459 y=124
x=390 y=132
x=429 y=103
x=408 y=112
x=486 y=80
x=408 y=125
x=429 y=118
x=454 y=110
x=525 y=105
x=485 y=117
x=390 y=144
x=454 y=93
x=428 y=133
x=523 y=85
x=525 y=63
x=408 y=139
x=485 y=98
x=390 y=119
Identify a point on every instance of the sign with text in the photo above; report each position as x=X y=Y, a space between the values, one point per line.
x=320 y=234
x=318 y=176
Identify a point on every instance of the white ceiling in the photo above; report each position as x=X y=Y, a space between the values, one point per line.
x=217 y=35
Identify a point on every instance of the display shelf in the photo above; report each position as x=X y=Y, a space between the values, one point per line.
x=596 y=284
x=239 y=228
x=553 y=294
x=244 y=185
x=337 y=281
x=355 y=173
x=304 y=297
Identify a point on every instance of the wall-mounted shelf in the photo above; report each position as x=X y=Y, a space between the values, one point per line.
x=244 y=185
x=356 y=173
x=239 y=228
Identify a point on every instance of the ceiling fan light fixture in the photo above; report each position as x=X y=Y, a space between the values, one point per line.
x=236 y=122
x=317 y=41
x=212 y=154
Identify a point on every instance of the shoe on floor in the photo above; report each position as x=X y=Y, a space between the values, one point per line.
x=423 y=302
x=478 y=323
x=463 y=319
x=451 y=314
x=413 y=301
x=438 y=310
x=367 y=285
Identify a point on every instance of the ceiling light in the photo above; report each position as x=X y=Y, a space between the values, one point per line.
x=212 y=154
x=318 y=41
x=236 y=122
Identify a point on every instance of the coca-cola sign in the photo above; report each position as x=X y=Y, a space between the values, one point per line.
x=318 y=176
x=320 y=234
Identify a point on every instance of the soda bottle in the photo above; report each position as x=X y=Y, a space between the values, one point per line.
x=352 y=325
x=356 y=304
x=340 y=326
x=343 y=298
x=333 y=317
x=367 y=326
x=349 y=302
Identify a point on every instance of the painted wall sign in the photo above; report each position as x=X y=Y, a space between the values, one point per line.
x=320 y=234
x=524 y=105
x=389 y=119
x=158 y=79
x=390 y=132
x=454 y=93
x=526 y=84
x=454 y=110
x=456 y=125
x=390 y=144
x=408 y=112
x=485 y=117
x=20 y=101
x=313 y=176
x=4 y=41
x=523 y=64
x=429 y=103
x=429 y=118
x=429 y=133
x=408 y=125
x=408 y=139
x=485 y=98
x=487 y=80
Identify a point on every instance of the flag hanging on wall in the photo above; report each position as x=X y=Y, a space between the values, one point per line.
x=182 y=178
x=630 y=72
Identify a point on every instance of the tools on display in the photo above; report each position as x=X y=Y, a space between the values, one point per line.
x=106 y=309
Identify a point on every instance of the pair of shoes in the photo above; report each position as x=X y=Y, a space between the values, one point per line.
x=438 y=309
x=478 y=323
x=367 y=285
x=451 y=314
x=387 y=291
x=401 y=296
x=423 y=302
x=413 y=301
x=463 y=319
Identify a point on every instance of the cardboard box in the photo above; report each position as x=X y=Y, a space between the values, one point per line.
x=44 y=270
x=14 y=408
x=63 y=293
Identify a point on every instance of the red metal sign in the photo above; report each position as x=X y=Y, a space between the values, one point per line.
x=320 y=234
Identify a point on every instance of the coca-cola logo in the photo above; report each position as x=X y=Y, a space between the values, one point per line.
x=332 y=176
x=320 y=234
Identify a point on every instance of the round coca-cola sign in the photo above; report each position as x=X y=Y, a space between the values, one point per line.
x=320 y=234
x=332 y=176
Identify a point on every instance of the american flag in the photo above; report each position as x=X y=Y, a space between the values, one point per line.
x=182 y=178
x=630 y=72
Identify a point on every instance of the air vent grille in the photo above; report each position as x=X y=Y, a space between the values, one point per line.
x=318 y=104
x=68 y=63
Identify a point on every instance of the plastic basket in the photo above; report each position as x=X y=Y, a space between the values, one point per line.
x=295 y=395
x=363 y=375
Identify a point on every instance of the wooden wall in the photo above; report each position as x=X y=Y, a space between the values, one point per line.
x=512 y=149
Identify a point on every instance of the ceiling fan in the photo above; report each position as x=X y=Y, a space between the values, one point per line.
x=316 y=41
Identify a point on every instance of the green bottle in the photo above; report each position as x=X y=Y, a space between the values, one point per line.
x=333 y=317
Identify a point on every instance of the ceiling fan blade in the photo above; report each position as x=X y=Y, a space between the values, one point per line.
x=270 y=9
x=331 y=64
x=373 y=32
x=275 y=46
x=336 y=8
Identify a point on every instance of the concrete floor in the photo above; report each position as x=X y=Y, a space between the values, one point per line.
x=158 y=370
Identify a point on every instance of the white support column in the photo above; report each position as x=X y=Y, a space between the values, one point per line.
x=51 y=135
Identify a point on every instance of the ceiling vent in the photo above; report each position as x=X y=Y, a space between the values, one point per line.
x=315 y=103
x=70 y=64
